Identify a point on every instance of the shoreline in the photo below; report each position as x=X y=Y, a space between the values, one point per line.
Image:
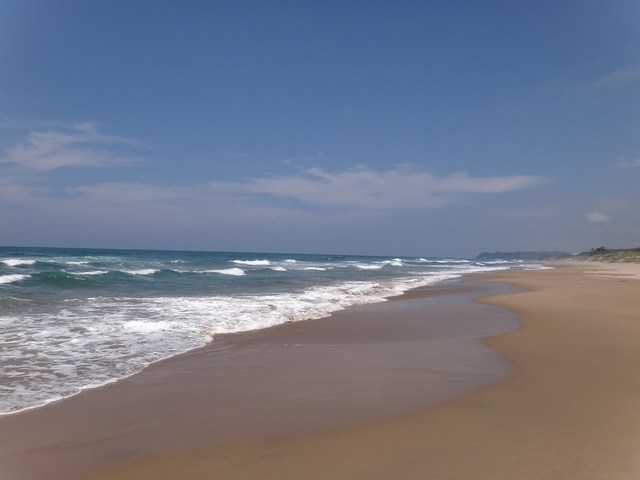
x=569 y=408
x=351 y=368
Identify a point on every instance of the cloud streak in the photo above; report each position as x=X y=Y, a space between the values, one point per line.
x=624 y=163
x=81 y=145
x=400 y=187
x=618 y=78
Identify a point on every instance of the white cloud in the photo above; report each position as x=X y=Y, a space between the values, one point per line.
x=400 y=187
x=597 y=217
x=14 y=192
x=617 y=78
x=77 y=146
x=624 y=163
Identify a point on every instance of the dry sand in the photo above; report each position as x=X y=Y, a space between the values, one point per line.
x=569 y=410
x=620 y=270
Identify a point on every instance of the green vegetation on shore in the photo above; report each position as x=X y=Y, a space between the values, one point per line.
x=523 y=256
x=601 y=254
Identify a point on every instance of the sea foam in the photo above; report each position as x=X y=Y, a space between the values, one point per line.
x=4 y=279
x=15 y=262
x=252 y=262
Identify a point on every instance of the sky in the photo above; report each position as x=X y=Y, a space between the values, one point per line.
x=427 y=128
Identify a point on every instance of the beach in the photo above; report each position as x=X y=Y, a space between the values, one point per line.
x=437 y=386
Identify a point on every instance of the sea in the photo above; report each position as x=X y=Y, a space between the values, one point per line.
x=73 y=319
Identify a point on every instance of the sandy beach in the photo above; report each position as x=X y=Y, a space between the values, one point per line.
x=403 y=389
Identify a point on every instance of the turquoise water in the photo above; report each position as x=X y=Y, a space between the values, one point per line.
x=72 y=319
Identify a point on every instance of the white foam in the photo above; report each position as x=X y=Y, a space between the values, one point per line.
x=84 y=262
x=16 y=262
x=146 y=327
x=363 y=266
x=252 y=262
x=92 y=272
x=278 y=269
x=4 y=279
x=228 y=271
x=291 y=260
x=320 y=269
x=94 y=341
x=143 y=271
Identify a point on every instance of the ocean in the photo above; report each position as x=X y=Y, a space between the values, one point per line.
x=72 y=319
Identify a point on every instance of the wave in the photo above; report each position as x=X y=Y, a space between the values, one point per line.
x=251 y=262
x=369 y=267
x=60 y=279
x=396 y=262
x=92 y=272
x=320 y=269
x=143 y=271
x=6 y=279
x=238 y=272
x=278 y=269
x=17 y=262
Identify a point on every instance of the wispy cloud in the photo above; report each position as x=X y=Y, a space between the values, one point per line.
x=617 y=78
x=79 y=145
x=628 y=163
x=11 y=190
x=401 y=187
x=597 y=217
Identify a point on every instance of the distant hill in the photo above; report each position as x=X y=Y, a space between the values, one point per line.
x=526 y=256
x=615 y=255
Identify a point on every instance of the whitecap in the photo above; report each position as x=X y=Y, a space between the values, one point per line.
x=396 y=262
x=369 y=267
x=4 y=279
x=16 y=262
x=278 y=269
x=252 y=262
x=315 y=268
x=144 y=271
x=228 y=271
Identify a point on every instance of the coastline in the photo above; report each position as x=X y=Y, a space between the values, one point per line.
x=357 y=366
x=570 y=408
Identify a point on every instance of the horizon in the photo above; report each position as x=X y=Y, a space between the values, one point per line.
x=611 y=249
x=420 y=128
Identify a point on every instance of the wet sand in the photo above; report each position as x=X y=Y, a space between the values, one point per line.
x=245 y=391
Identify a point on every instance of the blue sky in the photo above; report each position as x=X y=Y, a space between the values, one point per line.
x=376 y=127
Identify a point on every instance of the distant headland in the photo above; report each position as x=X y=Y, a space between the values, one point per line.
x=525 y=256
x=600 y=254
